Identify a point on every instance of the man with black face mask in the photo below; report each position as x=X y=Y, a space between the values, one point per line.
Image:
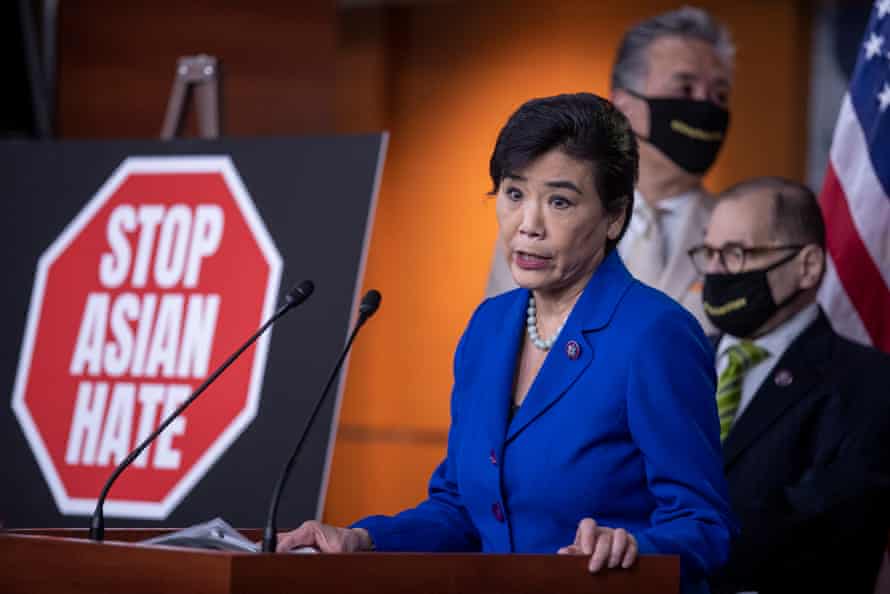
x=672 y=78
x=803 y=411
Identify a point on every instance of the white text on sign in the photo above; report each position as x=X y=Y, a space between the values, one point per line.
x=143 y=335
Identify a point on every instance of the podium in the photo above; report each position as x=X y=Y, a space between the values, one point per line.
x=60 y=561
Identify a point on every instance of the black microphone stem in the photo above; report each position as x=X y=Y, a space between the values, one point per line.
x=97 y=522
x=270 y=532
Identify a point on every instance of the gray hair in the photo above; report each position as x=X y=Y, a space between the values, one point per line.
x=796 y=215
x=630 y=67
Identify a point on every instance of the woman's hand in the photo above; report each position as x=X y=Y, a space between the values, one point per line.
x=327 y=539
x=606 y=546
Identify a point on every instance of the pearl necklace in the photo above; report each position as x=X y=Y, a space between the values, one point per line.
x=531 y=325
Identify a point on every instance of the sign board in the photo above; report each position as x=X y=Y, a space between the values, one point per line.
x=164 y=266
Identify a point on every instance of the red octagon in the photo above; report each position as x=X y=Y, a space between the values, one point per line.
x=160 y=276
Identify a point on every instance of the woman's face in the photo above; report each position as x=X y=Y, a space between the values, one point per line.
x=553 y=224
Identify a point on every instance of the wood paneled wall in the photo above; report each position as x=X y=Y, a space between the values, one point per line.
x=451 y=74
x=117 y=62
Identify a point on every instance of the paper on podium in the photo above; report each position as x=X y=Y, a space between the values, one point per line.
x=215 y=535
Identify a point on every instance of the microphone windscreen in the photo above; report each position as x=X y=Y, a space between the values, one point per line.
x=370 y=303
x=300 y=293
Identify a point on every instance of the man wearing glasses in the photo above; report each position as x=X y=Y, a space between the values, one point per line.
x=802 y=410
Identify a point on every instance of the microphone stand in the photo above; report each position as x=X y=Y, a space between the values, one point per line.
x=293 y=298
x=369 y=305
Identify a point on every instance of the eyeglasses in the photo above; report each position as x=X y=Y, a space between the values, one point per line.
x=732 y=255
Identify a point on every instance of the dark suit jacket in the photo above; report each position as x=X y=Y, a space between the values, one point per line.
x=807 y=464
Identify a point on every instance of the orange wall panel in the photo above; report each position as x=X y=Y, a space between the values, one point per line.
x=386 y=471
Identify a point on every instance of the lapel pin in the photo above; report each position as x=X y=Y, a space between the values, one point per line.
x=783 y=378
x=573 y=350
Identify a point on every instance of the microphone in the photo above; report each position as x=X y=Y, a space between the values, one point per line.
x=294 y=297
x=370 y=303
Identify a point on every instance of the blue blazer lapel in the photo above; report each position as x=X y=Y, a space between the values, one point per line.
x=499 y=368
x=592 y=312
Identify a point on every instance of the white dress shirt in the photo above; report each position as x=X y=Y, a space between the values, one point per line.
x=775 y=342
x=672 y=212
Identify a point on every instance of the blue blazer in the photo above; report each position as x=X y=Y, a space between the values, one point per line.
x=626 y=432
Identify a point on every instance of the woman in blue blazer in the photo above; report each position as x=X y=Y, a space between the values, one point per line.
x=583 y=411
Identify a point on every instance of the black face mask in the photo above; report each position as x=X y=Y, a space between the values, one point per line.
x=740 y=303
x=689 y=132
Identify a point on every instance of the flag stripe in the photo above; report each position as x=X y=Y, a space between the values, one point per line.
x=860 y=278
x=834 y=299
x=869 y=205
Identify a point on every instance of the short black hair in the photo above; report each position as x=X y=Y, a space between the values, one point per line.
x=585 y=127
x=796 y=216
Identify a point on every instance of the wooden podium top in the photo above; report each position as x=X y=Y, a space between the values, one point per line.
x=62 y=561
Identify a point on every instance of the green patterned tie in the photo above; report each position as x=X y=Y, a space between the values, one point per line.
x=742 y=357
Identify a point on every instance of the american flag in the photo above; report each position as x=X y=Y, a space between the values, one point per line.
x=855 y=197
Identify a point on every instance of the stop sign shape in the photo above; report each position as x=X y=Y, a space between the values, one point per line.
x=165 y=271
